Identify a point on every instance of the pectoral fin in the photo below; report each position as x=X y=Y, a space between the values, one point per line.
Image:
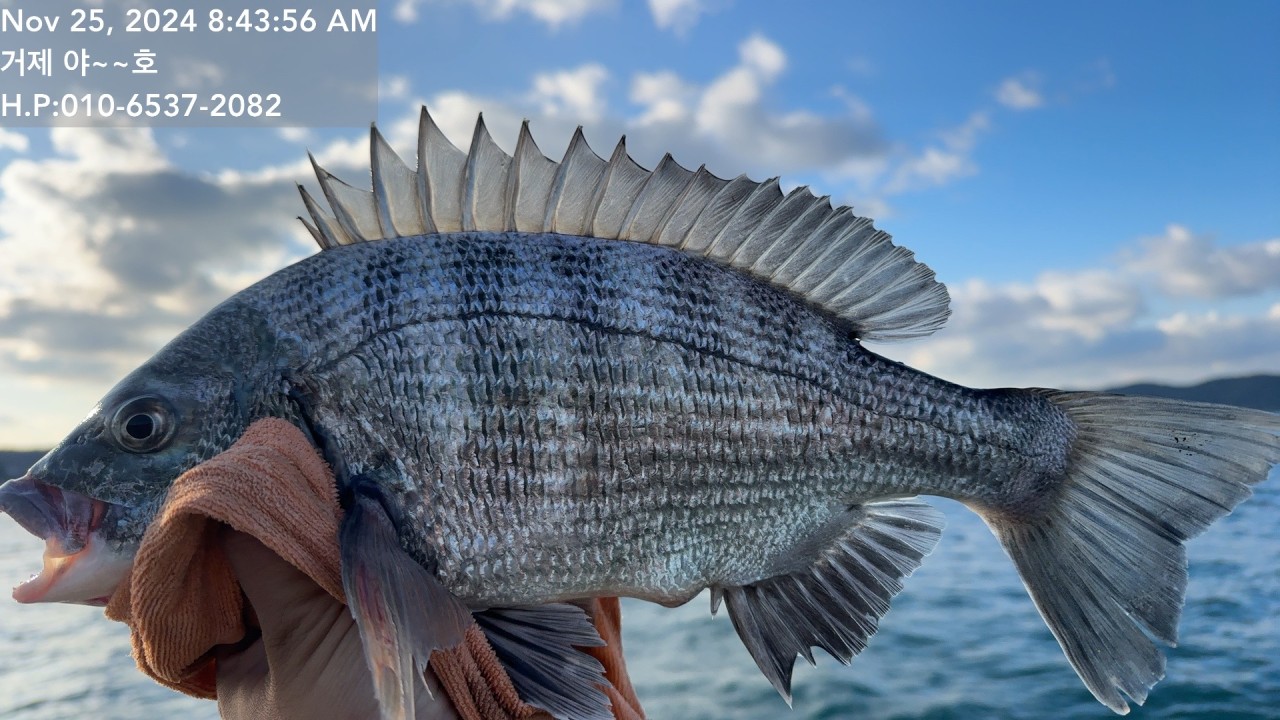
x=403 y=611
x=836 y=603
x=539 y=648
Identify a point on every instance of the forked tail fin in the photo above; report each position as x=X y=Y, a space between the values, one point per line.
x=1106 y=565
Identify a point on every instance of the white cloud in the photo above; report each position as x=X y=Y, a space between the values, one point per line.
x=393 y=87
x=295 y=134
x=1201 y=345
x=729 y=102
x=42 y=213
x=940 y=164
x=406 y=11
x=933 y=166
x=858 y=107
x=727 y=123
x=1185 y=264
x=552 y=12
x=1178 y=349
x=721 y=104
x=677 y=15
x=15 y=141
x=763 y=55
x=732 y=114
x=122 y=150
x=730 y=123
x=1084 y=304
x=664 y=95
x=1020 y=93
x=110 y=250
x=1097 y=328
x=964 y=137
x=572 y=93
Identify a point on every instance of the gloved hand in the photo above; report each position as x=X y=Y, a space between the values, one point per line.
x=306 y=660
x=200 y=594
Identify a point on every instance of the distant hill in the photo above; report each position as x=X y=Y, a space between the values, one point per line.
x=1256 y=391
x=14 y=463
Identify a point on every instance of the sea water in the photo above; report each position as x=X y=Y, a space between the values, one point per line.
x=962 y=641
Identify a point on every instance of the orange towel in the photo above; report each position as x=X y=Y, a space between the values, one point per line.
x=182 y=599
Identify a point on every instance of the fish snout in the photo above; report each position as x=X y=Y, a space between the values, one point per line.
x=79 y=565
x=48 y=511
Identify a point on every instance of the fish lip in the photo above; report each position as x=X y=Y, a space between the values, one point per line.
x=48 y=511
x=80 y=565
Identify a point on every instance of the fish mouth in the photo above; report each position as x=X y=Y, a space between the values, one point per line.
x=79 y=565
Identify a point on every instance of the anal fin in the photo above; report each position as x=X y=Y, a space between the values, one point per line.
x=403 y=611
x=538 y=646
x=836 y=602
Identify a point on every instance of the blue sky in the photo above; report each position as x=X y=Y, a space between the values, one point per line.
x=1097 y=183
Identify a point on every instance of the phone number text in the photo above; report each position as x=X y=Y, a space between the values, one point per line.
x=141 y=105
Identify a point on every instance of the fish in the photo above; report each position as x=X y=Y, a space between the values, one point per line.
x=539 y=382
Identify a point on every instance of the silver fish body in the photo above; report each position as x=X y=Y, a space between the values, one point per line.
x=539 y=382
x=565 y=417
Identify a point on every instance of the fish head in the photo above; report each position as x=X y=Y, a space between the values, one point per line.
x=92 y=497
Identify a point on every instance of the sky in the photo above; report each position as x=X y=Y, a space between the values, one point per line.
x=1097 y=183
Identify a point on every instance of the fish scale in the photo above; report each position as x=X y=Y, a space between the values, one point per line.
x=776 y=417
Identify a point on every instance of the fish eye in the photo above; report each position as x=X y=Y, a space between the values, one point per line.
x=140 y=427
x=143 y=424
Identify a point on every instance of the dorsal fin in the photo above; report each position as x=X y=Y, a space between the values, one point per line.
x=826 y=255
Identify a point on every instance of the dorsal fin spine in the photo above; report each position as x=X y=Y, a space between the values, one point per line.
x=322 y=176
x=712 y=216
x=316 y=234
x=583 y=186
x=613 y=167
x=830 y=291
x=620 y=192
x=345 y=201
x=324 y=231
x=703 y=186
x=667 y=167
x=381 y=191
x=845 y=244
x=731 y=237
x=470 y=175
x=843 y=235
x=440 y=163
x=421 y=181
x=485 y=187
x=756 y=236
x=533 y=176
x=789 y=242
x=784 y=271
x=394 y=190
x=513 y=177
x=557 y=206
